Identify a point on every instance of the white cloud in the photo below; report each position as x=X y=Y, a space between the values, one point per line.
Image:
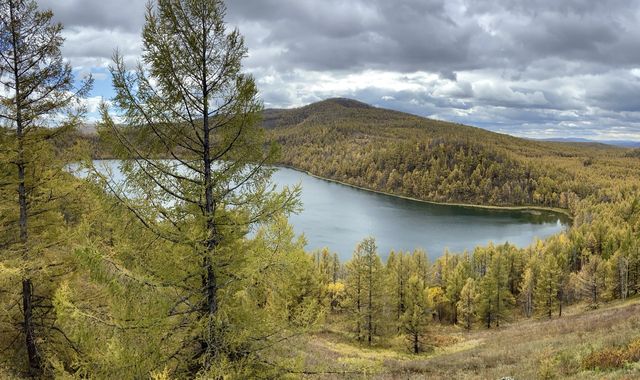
x=525 y=67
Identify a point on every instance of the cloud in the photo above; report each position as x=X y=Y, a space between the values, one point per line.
x=524 y=67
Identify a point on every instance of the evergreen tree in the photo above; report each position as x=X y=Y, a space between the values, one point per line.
x=38 y=89
x=495 y=294
x=189 y=101
x=467 y=305
x=455 y=282
x=417 y=315
x=527 y=288
x=399 y=270
x=547 y=285
x=592 y=280
x=372 y=285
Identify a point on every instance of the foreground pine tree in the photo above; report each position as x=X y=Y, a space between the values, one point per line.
x=188 y=101
x=38 y=87
x=417 y=315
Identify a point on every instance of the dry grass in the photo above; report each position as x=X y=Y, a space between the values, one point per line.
x=596 y=344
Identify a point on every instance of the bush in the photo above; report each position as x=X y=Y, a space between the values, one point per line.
x=613 y=357
x=607 y=358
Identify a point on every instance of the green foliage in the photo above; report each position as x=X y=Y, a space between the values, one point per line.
x=365 y=290
x=495 y=296
x=417 y=315
x=188 y=268
x=432 y=160
x=467 y=304
x=547 y=285
x=38 y=109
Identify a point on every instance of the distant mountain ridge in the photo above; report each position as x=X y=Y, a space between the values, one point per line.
x=620 y=143
x=340 y=109
x=344 y=108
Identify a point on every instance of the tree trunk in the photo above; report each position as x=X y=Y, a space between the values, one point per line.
x=29 y=331
x=560 y=299
x=370 y=306
x=27 y=286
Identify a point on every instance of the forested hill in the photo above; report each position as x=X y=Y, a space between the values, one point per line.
x=404 y=154
x=408 y=155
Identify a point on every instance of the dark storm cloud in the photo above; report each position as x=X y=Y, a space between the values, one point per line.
x=404 y=35
x=520 y=66
x=445 y=36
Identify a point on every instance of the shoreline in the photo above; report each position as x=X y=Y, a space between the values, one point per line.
x=554 y=210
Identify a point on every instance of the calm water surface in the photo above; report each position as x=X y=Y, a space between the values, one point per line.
x=339 y=216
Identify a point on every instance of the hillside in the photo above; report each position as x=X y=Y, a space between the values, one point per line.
x=434 y=160
x=593 y=344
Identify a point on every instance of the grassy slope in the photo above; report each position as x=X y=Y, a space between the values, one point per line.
x=529 y=349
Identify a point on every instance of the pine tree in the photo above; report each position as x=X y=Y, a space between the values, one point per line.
x=455 y=282
x=189 y=101
x=355 y=293
x=547 y=285
x=399 y=270
x=417 y=315
x=38 y=89
x=467 y=305
x=372 y=285
x=592 y=280
x=495 y=295
x=527 y=287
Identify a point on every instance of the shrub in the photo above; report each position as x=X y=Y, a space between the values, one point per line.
x=613 y=357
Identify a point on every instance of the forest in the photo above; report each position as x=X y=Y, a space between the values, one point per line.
x=189 y=268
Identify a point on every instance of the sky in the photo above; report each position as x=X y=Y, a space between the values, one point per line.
x=530 y=68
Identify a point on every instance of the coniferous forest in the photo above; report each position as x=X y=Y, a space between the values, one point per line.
x=188 y=267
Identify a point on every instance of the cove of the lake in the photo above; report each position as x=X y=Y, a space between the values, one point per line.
x=339 y=216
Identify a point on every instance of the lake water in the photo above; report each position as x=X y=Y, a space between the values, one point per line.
x=338 y=217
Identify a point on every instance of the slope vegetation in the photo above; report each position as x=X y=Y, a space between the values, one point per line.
x=399 y=153
x=594 y=344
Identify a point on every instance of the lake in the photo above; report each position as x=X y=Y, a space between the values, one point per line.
x=339 y=216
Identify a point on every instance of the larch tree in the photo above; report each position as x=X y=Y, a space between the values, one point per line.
x=189 y=101
x=527 y=287
x=398 y=271
x=354 y=283
x=364 y=287
x=39 y=105
x=417 y=314
x=592 y=280
x=420 y=266
x=618 y=275
x=495 y=294
x=372 y=284
x=547 y=285
x=455 y=282
x=467 y=305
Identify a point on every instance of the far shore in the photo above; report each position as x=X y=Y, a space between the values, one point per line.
x=468 y=205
